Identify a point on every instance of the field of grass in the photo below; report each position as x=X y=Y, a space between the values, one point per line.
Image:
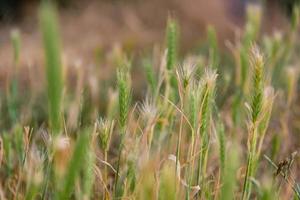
x=212 y=124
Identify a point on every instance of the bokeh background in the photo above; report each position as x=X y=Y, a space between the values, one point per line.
x=99 y=25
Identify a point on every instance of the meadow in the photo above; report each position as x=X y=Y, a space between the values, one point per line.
x=210 y=124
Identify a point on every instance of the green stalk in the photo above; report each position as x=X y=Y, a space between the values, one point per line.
x=32 y=192
x=229 y=180
x=51 y=40
x=214 y=58
x=88 y=174
x=203 y=133
x=222 y=150
x=207 y=94
x=178 y=145
x=192 y=114
x=76 y=164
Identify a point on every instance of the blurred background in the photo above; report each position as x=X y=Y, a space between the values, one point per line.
x=100 y=25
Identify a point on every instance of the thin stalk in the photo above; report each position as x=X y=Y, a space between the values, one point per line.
x=190 y=167
x=118 y=167
x=204 y=139
x=178 y=146
x=105 y=168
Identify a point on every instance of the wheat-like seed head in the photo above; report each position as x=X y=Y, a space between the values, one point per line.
x=185 y=73
x=257 y=64
x=172 y=34
x=194 y=93
x=123 y=77
x=104 y=129
x=210 y=77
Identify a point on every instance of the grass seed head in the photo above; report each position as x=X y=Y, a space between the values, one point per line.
x=148 y=110
x=185 y=73
x=257 y=64
x=172 y=37
x=105 y=129
x=210 y=77
x=123 y=77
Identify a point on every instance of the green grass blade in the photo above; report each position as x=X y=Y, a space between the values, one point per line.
x=229 y=181
x=75 y=165
x=49 y=28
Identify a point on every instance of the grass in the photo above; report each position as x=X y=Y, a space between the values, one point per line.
x=255 y=113
x=123 y=77
x=53 y=70
x=196 y=130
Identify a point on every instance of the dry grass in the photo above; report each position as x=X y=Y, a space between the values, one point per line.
x=209 y=125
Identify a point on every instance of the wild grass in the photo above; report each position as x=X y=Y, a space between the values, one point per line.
x=195 y=128
x=49 y=28
x=123 y=77
x=255 y=114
